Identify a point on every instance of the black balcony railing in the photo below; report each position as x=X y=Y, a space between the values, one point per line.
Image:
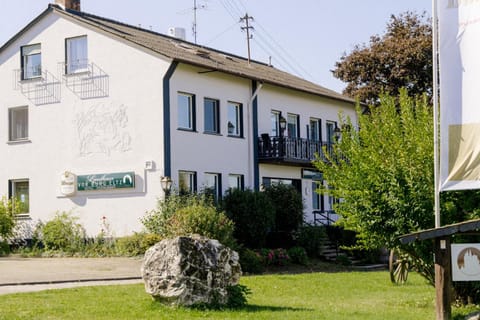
x=294 y=150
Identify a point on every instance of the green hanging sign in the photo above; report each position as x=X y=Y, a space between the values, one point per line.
x=106 y=181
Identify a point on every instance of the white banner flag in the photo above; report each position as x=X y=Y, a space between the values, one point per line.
x=459 y=60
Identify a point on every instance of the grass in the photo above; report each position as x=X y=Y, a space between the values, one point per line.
x=342 y=295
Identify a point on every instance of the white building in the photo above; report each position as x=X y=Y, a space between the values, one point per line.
x=96 y=112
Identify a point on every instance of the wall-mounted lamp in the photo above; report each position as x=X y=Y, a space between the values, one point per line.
x=283 y=124
x=166 y=183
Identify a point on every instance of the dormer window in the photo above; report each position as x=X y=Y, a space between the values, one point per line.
x=31 y=61
x=76 y=55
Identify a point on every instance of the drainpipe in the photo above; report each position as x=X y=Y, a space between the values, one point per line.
x=252 y=135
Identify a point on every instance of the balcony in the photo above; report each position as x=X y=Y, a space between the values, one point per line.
x=85 y=79
x=292 y=151
x=37 y=85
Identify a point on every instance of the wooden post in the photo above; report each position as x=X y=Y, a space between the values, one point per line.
x=443 y=278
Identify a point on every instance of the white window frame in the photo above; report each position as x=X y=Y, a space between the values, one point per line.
x=213 y=181
x=18 y=124
x=315 y=135
x=235 y=119
x=76 y=55
x=275 y=123
x=31 y=61
x=186 y=112
x=236 y=181
x=213 y=117
x=292 y=125
x=189 y=178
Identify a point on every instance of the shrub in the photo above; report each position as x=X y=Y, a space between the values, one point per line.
x=63 y=233
x=288 y=204
x=202 y=219
x=298 y=255
x=311 y=239
x=251 y=261
x=7 y=217
x=237 y=296
x=157 y=221
x=4 y=248
x=276 y=257
x=253 y=215
x=136 y=244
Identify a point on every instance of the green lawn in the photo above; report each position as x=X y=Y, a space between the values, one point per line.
x=342 y=295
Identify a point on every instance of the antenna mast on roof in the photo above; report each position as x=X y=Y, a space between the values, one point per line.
x=194 y=26
x=247 y=27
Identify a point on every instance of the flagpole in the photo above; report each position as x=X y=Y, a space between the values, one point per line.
x=435 y=114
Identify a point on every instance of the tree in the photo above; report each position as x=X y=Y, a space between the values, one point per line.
x=402 y=57
x=383 y=174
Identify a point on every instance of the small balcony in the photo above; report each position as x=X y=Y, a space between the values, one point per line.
x=292 y=151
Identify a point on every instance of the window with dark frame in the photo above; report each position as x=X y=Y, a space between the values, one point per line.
x=20 y=191
x=315 y=129
x=211 y=116
x=18 y=123
x=31 y=61
x=186 y=111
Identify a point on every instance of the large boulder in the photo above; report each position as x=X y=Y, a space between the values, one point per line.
x=185 y=271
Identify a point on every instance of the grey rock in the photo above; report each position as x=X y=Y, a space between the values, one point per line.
x=185 y=271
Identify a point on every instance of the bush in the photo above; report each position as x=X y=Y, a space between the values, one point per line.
x=288 y=204
x=311 y=239
x=157 y=221
x=237 y=296
x=202 y=219
x=298 y=255
x=253 y=215
x=7 y=217
x=4 y=248
x=275 y=257
x=136 y=244
x=251 y=262
x=63 y=233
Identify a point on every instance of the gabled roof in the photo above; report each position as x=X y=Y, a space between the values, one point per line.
x=193 y=54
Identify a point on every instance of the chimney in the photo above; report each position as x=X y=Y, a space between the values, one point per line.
x=69 y=4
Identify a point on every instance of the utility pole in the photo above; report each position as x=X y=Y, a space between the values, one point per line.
x=247 y=27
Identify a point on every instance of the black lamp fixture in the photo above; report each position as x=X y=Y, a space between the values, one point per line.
x=337 y=132
x=166 y=183
x=283 y=124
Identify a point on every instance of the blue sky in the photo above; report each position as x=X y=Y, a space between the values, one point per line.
x=303 y=37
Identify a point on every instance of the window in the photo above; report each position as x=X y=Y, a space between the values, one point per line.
x=19 y=190
x=331 y=131
x=31 y=61
x=186 y=111
x=187 y=182
x=296 y=183
x=213 y=185
x=292 y=125
x=315 y=129
x=235 y=181
x=275 y=120
x=211 y=116
x=76 y=54
x=235 y=119
x=317 y=199
x=18 y=123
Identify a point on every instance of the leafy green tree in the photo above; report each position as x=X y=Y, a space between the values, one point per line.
x=400 y=58
x=383 y=172
x=288 y=204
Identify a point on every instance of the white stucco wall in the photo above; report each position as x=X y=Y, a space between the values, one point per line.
x=201 y=152
x=116 y=133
